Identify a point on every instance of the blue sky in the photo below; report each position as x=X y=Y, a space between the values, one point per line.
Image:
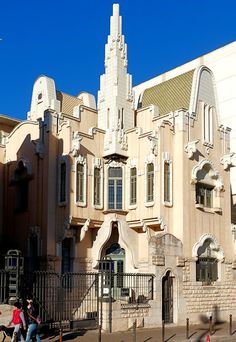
x=65 y=40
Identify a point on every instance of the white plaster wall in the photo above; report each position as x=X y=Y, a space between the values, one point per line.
x=222 y=62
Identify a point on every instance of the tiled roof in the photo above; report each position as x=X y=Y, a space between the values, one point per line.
x=169 y=95
x=68 y=102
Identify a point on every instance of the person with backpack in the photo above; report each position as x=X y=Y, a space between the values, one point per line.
x=17 y=320
x=32 y=320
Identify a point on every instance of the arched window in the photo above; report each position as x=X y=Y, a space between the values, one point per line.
x=207 y=263
x=115 y=188
x=208 y=185
x=204 y=187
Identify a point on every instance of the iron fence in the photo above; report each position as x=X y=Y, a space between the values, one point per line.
x=76 y=296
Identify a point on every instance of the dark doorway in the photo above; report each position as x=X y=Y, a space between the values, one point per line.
x=167 y=298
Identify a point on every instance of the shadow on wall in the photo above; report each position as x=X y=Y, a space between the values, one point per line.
x=215 y=317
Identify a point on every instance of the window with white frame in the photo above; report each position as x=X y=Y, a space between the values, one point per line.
x=133 y=185
x=80 y=181
x=62 y=180
x=208 y=124
x=97 y=186
x=115 y=185
x=150 y=182
x=167 y=182
x=208 y=186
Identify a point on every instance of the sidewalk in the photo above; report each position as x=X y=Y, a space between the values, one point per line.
x=197 y=333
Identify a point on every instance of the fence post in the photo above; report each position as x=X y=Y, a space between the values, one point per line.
x=60 y=336
x=134 y=330
x=230 y=324
x=187 y=328
x=99 y=333
x=210 y=326
x=163 y=331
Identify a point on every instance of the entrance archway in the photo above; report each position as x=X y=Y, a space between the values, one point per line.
x=167 y=298
x=112 y=265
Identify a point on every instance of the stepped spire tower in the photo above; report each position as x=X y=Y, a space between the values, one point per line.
x=115 y=98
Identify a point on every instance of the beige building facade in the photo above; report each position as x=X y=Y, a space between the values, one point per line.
x=143 y=178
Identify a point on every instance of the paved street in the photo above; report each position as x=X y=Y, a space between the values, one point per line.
x=172 y=334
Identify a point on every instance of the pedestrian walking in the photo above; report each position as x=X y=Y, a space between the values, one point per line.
x=17 y=320
x=32 y=320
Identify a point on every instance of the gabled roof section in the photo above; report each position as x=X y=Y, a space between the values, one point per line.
x=169 y=95
x=68 y=102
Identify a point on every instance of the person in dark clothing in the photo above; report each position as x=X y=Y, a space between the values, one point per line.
x=32 y=320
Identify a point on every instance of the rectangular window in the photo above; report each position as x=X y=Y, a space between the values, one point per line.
x=204 y=195
x=133 y=185
x=62 y=182
x=150 y=182
x=167 y=182
x=97 y=186
x=207 y=124
x=115 y=188
x=206 y=270
x=79 y=182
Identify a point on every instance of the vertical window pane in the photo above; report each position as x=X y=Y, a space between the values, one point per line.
x=150 y=182
x=79 y=182
x=133 y=185
x=111 y=195
x=97 y=186
x=63 y=182
x=166 y=182
x=119 y=194
x=115 y=188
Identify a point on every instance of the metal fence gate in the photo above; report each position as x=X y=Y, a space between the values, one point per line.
x=76 y=297
x=64 y=297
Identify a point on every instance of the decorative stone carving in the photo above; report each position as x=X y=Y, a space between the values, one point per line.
x=213 y=173
x=163 y=224
x=76 y=144
x=191 y=147
x=84 y=229
x=214 y=245
x=154 y=140
x=228 y=160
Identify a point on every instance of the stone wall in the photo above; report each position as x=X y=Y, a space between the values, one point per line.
x=217 y=299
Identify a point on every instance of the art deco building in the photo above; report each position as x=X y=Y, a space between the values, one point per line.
x=145 y=182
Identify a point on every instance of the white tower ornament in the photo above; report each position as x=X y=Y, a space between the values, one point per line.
x=115 y=98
